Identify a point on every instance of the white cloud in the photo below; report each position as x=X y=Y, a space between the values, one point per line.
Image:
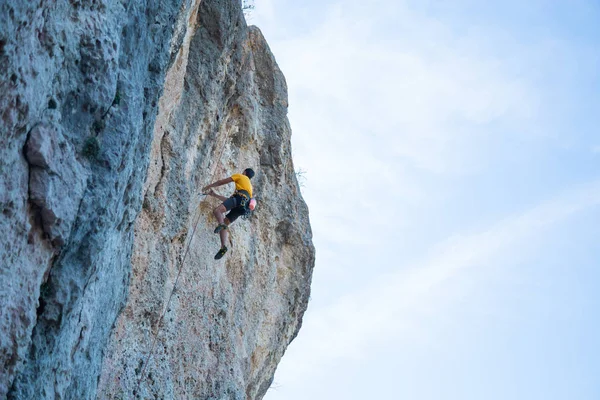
x=389 y=108
x=371 y=117
x=387 y=308
x=426 y=103
x=374 y=115
x=264 y=11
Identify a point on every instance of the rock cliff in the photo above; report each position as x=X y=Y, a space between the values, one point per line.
x=114 y=115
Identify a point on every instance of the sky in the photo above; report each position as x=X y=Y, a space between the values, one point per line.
x=449 y=154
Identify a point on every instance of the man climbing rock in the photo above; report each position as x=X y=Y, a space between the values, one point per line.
x=237 y=204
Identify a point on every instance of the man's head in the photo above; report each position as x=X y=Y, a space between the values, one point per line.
x=249 y=172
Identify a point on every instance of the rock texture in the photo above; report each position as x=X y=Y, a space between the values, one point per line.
x=114 y=115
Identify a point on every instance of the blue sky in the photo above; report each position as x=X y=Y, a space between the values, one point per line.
x=452 y=171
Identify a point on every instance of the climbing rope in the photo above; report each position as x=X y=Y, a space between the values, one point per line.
x=158 y=326
x=180 y=269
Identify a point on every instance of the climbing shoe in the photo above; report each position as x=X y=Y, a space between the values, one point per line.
x=221 y=253
x=220 y=227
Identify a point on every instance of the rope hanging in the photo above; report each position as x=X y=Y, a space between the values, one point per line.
x=158 y=326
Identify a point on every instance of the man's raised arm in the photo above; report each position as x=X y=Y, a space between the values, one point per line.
x=217 y=183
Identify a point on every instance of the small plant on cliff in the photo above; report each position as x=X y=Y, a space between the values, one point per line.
x=91 y=148
x=301 y=177
x=247 y=7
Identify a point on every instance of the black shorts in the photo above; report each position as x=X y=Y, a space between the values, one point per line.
x=235 y=206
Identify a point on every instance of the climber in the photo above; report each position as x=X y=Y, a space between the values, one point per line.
x=237 y=204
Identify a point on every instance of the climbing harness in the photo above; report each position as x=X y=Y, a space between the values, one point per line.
x=249 y=208
x=244 y=197
x=246 y=202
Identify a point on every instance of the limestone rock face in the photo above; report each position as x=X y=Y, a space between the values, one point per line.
x=54 y=172
x=114 y=115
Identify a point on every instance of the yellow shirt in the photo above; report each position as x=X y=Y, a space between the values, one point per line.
x=242 y=182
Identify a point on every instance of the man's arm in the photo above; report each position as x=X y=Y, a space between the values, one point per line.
x=217 y=183
x=213 y=194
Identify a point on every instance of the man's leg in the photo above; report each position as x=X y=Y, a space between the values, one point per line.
x=223 y=237
x=223 y=233
x=224 y=221
x=219 y=213
x=230 y=218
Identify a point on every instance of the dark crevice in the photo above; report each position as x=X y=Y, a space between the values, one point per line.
x=164 y=150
